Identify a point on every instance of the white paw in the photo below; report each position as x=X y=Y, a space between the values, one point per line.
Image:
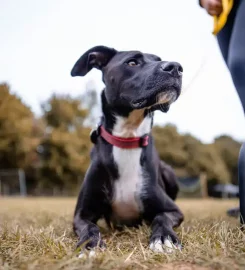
x=164 y=247
x=169 y=246
x=90 y=254
x=157 y=246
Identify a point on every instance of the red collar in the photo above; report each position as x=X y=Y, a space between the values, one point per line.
x=126 y=143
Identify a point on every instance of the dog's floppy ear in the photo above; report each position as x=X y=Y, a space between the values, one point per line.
x=96 y=57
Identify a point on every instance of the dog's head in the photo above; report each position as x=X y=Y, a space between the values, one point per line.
x=134 y=80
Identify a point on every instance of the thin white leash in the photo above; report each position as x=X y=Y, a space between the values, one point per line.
x=197 y=73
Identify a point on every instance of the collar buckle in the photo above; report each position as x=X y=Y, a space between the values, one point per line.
x=94 y=134
x=144 y=141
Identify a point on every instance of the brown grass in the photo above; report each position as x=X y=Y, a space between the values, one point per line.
x=37 y=234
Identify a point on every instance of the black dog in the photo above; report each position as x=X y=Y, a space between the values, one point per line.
x=126 y=182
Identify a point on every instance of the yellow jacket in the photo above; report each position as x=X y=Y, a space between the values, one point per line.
x=220 y=21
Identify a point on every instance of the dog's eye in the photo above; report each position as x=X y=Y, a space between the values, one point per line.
x=132 y=63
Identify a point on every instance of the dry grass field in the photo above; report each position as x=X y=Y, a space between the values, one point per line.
x=36 y=233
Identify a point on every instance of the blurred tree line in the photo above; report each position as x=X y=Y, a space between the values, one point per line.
x=53 y=150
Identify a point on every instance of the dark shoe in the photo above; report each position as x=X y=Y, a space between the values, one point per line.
x=234 y=212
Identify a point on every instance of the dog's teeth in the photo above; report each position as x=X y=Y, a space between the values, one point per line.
x=137 y=103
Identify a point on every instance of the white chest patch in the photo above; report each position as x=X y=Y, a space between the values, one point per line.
x=130 y=184
x=127 y=189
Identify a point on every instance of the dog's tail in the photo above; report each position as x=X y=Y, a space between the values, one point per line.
x=169 y=180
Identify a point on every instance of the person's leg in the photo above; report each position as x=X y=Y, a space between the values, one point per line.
x=224 y=36
x=241 y=172
x=236 y=65
x=236 y=56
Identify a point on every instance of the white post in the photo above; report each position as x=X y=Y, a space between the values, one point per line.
x=22 y=180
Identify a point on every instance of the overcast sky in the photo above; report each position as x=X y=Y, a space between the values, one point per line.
x=41 y=40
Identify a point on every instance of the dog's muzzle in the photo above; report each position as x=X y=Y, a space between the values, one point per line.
x=161 y=97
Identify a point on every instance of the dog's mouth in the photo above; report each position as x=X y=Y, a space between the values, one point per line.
x=159 y=100
x=139 y=104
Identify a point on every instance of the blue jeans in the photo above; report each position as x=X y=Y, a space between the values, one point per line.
x=231 y=41
x=241 y=170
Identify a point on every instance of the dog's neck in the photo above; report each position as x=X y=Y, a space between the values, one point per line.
x=135 y=125
x=123 y=123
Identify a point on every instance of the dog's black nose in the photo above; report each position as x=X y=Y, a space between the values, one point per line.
x=173 y=68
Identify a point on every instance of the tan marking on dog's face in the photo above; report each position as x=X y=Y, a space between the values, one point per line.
x=163 y=98
x=129 y=125
x=135 y=118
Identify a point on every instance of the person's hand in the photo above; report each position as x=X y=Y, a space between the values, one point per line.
x=213 y=7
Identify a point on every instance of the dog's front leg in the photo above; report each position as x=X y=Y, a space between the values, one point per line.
x=88 y=233
x=164 y=238
x=164 y=216
x=92 y=204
